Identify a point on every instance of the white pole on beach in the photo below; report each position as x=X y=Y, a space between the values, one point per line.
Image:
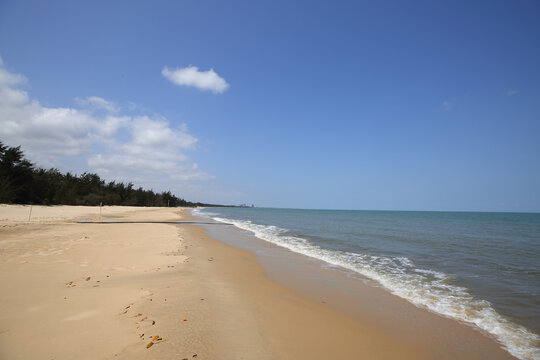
x=100 y=205
x=29 y=215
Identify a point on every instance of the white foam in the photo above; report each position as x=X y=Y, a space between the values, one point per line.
x=206 y=214
x=424 y=288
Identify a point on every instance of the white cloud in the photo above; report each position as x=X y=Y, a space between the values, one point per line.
x=191 y=76
x=97 y=102
x=149 y=132
x=511 y=92
x=43 y=131
x=111 y=124
x=155 y=148
x=144 y=149
x=10 y=79
x=194 y=174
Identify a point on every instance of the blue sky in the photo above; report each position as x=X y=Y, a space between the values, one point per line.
x=420 y=105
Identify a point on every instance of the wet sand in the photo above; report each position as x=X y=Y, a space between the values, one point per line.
x=72 y=290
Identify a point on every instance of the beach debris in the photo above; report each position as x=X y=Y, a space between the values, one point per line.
x=194 y=356
x=184 y=319
x=146 y=317
x=202 y=299
x=139 y=314
x=211 y=259
x=149 y=344
x=88 y=278
x=142 y=335
x=153 y=322
x=127 y=307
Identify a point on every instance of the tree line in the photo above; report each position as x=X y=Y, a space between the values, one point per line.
x=21 y=182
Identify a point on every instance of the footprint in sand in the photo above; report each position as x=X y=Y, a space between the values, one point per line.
x=73 y=283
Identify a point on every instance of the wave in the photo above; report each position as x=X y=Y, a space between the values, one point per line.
x=429 y=289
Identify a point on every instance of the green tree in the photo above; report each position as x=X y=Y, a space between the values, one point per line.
x=22 y=183
x=15 y=175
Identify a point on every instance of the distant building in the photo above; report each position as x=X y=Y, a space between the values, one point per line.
x=246 y=206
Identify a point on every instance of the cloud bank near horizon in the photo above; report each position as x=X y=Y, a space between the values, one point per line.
x=191 y=76
x=100 y=133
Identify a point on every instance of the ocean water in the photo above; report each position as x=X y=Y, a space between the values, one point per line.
x=482 y=269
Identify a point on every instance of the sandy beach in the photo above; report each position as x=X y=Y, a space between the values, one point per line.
x=105 y=291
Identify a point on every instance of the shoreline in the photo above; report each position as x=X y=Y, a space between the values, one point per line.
x=470 y=287
x=233 y=305
x=364 y=299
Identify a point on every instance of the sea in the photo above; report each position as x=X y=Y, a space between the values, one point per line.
x=482 y=269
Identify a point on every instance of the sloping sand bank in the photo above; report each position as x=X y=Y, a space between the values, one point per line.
x=73 y=290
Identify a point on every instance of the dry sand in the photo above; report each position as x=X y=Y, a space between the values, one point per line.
x=72 y=290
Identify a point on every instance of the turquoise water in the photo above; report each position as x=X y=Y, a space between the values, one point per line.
x=482 y=269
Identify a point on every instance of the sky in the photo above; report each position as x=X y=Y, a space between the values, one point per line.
x=380 y=105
